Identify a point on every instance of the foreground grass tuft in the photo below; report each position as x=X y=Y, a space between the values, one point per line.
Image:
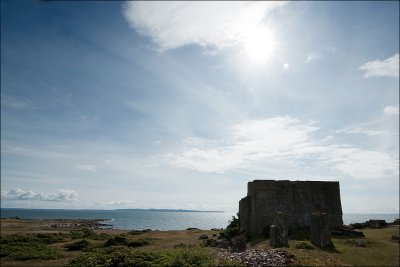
x=123 y=256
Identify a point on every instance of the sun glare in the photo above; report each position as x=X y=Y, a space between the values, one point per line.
x=259 y=45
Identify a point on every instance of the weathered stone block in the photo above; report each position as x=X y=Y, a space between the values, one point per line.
x=281 y=233
x=272 y=236
x=297 y=199
x=320 y=234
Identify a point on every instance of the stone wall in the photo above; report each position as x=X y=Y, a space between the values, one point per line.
x=297 y=199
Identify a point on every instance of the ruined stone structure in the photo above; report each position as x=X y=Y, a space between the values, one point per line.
x=296 y=199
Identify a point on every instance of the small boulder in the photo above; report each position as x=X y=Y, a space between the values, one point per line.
x=203 y=237
x=239 y=243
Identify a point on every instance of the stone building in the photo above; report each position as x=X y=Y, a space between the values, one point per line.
x=297 y=199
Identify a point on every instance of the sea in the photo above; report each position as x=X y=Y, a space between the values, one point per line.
x=158 y=220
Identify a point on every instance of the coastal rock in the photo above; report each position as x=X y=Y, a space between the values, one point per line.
x=376 y=224
x=345 y=232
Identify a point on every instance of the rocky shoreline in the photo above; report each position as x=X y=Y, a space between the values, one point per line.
x=60 y=224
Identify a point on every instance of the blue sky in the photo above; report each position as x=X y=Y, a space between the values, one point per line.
x=180 y=104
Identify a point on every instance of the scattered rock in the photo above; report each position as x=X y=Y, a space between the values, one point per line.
x=272 y=257
x=357 y=243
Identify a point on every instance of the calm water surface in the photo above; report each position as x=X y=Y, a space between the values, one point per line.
x=160 y=220
x=124 y=219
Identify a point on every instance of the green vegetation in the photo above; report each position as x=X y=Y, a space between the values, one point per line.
x=26 y=247
x=232 y=229
x=84 y=232
x=120 y=240
x=303 y=245
x=87 y=247
x=122 y=256
x=375 y=249
x=78 y=245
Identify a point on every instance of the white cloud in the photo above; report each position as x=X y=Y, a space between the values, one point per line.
x=360 y=130
x=86 y=167
x=391 y=111
x=382 y=68
x=286 y=66
x=281 y=143
x=60 y=195
x=172 y=24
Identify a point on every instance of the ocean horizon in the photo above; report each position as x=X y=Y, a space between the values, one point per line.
x=157 y=219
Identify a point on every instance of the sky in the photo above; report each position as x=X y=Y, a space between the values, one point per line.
x=108 y=105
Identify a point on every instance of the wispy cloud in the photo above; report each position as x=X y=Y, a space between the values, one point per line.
x=360 y=130
x=174 y=24
x=281 y=142
x=15 y=103
x=86 y=167
x=382 y=68
x=391 y=111
x=60 y=195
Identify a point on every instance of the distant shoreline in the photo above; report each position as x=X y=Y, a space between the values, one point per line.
x=146 y=210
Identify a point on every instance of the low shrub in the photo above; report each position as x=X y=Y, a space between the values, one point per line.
x=101 y=236
x=122 y=256
x=123 y=241
x=84 y=232
x=139 y=232
x=232 y=229
x=51 y=238
x=78 y=245
x=26 y=247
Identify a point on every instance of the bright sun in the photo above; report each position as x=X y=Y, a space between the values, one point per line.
x=259 y=45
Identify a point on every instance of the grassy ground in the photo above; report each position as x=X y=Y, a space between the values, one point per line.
x=379 y=250
x=36 y=243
